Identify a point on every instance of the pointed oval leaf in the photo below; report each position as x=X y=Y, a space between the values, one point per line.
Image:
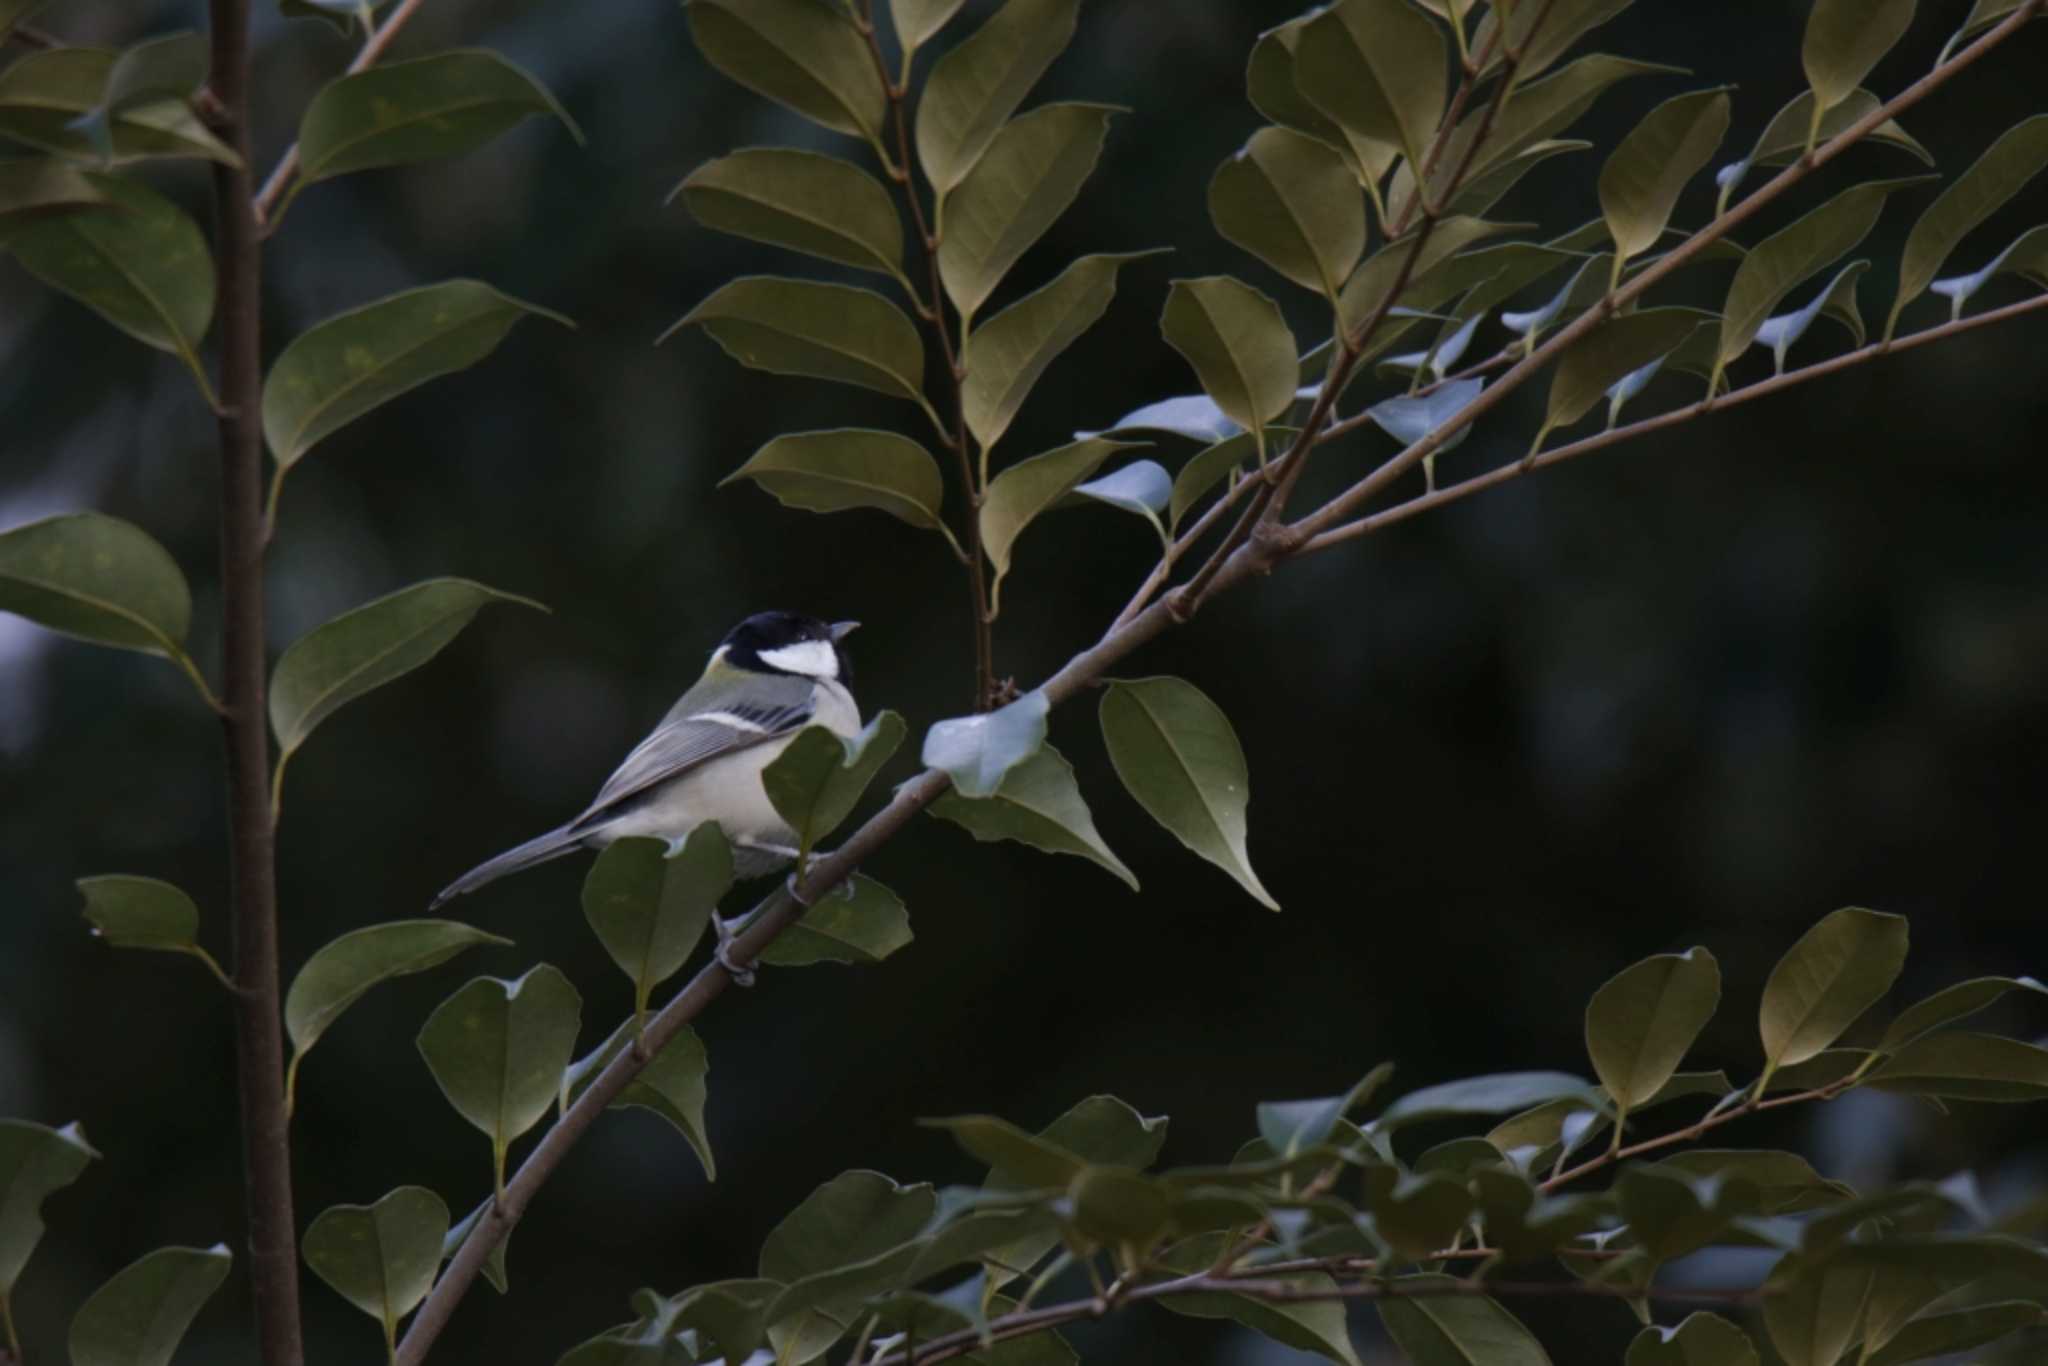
x=1817 y=1312
x=2027 y=258
x=977 y=86
x=1270 y=86
x=1142 y=487
x=140 y=913
x=1641 y=1023
x=1178 y=756
x=1544 y=34
x=1641 y=182
x=2019 y=154
x=1837 y=300
x=1959 y=1065
x=1702 y=1340
x=849 y=468
x=1376 y=67
x=355 y=362
x=803 y=54
x=35 y=1162
x=381 y=1258
x=1960 y=1330
x=45 y=95
x=1983 y=15
x=1845 y=39
x=96 y=578
x=673 y=1084
x=1194 y=416
x=819 y=777
x=1292 y=1126
x=918 y=20
x=1119 y=1208
x=859 y=929
x=494 y=1263
x=1100 y=1129
x=853 y=1217
x=1409 y=419
x=1954 y=1003
x=139 y=262
x=1037 y=803
x=1437 y=1329
x=1008 y=353
x=1495 y=1094
x=808 y=202
x=1609 y=352
x=976 y=752
x=1016 y=496
x=1238 y=343
x=1315 y=1326
x=344 y=968
x=805 y=327
x=1031 y=172
x=649 y=906
x=1838 y=969
x=169 y=67
x=1783 y=140
x=498 y=1049
x=366 y=647
x=1210 y=467
x=43 y=187
x=139 y=1316
x=1294 y=203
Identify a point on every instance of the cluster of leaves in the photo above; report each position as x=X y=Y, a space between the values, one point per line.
x=1326 y=1205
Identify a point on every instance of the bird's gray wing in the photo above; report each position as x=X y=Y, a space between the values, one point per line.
x=696 y=732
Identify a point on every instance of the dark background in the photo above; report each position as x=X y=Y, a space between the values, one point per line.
x=1699 y=689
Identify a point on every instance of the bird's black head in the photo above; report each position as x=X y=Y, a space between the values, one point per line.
x=787 y=643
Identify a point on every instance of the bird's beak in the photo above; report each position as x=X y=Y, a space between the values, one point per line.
x=842 y=629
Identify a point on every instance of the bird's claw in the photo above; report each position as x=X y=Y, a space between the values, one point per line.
x=844 y=890
x=741 y=975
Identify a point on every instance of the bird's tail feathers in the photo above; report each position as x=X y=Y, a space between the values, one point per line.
x=540 y=849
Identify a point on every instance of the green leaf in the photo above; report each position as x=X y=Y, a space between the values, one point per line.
x=35 y=1162
x=1291 y=1126
x=1037 y=803
x=1017 y=495
x=1983 y=15
x=2018 y=155
x=1837 y=300
x=855 y=1217
x=1488 y=1095
x=818 y=779
x=399 y=113
x=1963 y=1066
x=1367 y=288
x=849 y=468
x=1305 y=1325
x=1960 y=1330
x=1838 y=969
x=44 y=95
x=339 y=15
x=803 y=54
x=1410 y=418
x=1141 y=488
x=1100 y=1129
x=2027 y=258
x=1120 y=1209
x=808 y=202
x=1375 y=67
x=1816 y=1312
x=1016 y=1160
x=977 y=86
x=355 y=362
x=1845 y=39
x=494 y=1260
x=1176 y=753
x=145 y=913
x=1031 y=172
x=1454 y=1329
x=673 y=1084
x=1481 y=192
x=1609 y=352
x=918 y=20
x=1783 y=140
x=1702 y=1340
x=381 y=1258
x=366 y=647
x=498 y=1048
x=1417 y=1215
x=42 y=188
x=805 y=327
x=1293 y=202
x=1784 y=1183
x=1642 y=180
x=344 y=968
x=96 y=578
x=859 y=930
x=1211 y=466
x=139 y=262
x=1544 y=34
x=1642 y=1022
x=1791 y=255
x=1954 y=1003
x=1238 y=343
x=138 y=1317
x=977 y=752
x=1269 y=82
x=727 y=1314
x=649 y=908
x=171 y=67
x=1008 y=354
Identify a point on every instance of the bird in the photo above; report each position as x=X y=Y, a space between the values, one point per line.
x=771 y=676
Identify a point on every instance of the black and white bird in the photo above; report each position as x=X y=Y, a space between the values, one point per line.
x=772 y=675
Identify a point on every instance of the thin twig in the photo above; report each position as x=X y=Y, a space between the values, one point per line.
x=30 y=36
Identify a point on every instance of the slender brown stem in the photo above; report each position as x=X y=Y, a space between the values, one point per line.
x=259 y=1034
x=30 y=36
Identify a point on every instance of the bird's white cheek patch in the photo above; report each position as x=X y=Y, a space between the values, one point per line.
x=811 y=658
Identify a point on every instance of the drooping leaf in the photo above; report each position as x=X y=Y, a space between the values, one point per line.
x=399 y=113
x=807 y=327
x=978 y=752
x=977 y=86
x=1481 y=192
x=1017 y=495
x=918 y=20
x=1983 y=15
x=144 y=913
x=852 y=1218
x=816 y=781
x=808 y=202
x=1100 y=1129
x=340 y=15
x=1270 y=84
x=1194 y=416
x=1376 y=67
x=849 y=468
x=1845 y=39
x=1037 y=803
x=1539 y=110
x=726 y=1314
x=2016 y=157
x=42 y=188
x=1177 y=754
x=1959 y=1065
x=1294 y=203
x=498 y=1048
x=44 y=95
x=1305 y=1325
x=804 y=55
x=1815 y=1315
x=381 y=1258
x=1837 y=970
x=1644 y=176
x=1455 y=1330
x=1783 y=140
x=355 y=362
x=1410 y=418
x=1142 y=488
x=96 y=578
x=673 y=1083
x=1031 y=171
x=1211 y=467
x=1443 y=355
x=1120 y=1209
x=1586 y=288
x=366 y=647
x=860 y=929
x=2027 y=258
x=35 y=1162
x=1784 y=1183
x=1702 y=1340
x=1367 y=291
x=1949 y=1005
x=1008 y=353
x=1641 y=1023
x=139 y=1316
x=494 y=1261
x=1544 y=34
x=1016 y=1160
x=649 y=906
x=1609 y=352
x=1239 y=345
x=1837 y=300
x=1959 y=1330
x=167 y=68
x=1489 y=1095
x=139 y=262
x=1291 y=1126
